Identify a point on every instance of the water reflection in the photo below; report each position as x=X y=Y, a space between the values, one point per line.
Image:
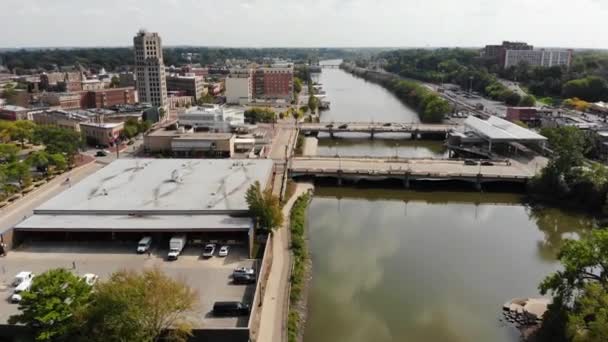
x=407 y=266
x=381 y=147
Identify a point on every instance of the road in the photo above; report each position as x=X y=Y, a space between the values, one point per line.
x=433 y=168
x=17 y=211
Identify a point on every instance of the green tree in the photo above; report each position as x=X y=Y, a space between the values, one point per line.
x=265 y=207
x=22 y=130
x=133 y=306
x=58 y=140
x=297 y=85
x=39 y=160
x=591 y=89
x=258 y=114
x=313 y=104
x=19 y=172
x=115 y=82
x=568 y=145
x=435 y=109
x=8 y=152
x=528 y=101
x=58 y=161
x=588 y=319
x=207 y=98
x=49 y=308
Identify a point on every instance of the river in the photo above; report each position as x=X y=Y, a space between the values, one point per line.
x=396 y=265
x=354 y=99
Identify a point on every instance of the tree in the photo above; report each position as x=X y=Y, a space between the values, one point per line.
x=588 y=320
x=49 y=308
x=115 y=82
x=591 y=89
x=58 y=161
x=8 y=152
x=207 y=98
x=297 y=85
x=435 y=109
x=58 y=140
x=265 y=207
x=528 y=101
x=22 y=130
x=579 y=291
x=512 y=98
x=142 y=306
x=39 y=160
x=258 y=114
x=568 y=144
x=313 y=103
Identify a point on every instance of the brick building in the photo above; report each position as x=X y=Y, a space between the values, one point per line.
x=108 y=97
x=273 y=83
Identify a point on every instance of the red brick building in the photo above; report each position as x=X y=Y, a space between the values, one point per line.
x=273 y=83
x=108 y=97
x=524 y=114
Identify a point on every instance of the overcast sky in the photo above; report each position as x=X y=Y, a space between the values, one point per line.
x=306 y=23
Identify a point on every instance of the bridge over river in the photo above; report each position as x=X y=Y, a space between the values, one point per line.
x=369 y=168
x=372 y=128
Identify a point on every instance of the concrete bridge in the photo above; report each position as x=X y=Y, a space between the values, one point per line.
x=416 y=129
x=357 y=168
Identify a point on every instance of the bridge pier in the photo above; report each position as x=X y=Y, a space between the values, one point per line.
x=478 y=182
x=331 y=134
x=415 y=135
x=406 y=181
x=372 y=134
x=339 y=177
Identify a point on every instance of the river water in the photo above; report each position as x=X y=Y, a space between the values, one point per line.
x=396 y=265
x=354 y=99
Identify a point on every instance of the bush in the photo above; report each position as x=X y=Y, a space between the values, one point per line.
x=257 y=114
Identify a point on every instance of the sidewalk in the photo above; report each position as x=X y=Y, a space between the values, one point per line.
x=274 y=308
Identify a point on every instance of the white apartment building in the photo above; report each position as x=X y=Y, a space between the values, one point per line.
x=239 y=86
x=539 y=58
x=214 y=118
x=149 y=69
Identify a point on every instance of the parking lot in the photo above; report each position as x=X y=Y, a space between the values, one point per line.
x=210 y=277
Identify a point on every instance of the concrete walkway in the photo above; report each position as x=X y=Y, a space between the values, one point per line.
x=274 y=307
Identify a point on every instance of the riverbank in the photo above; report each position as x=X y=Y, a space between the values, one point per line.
x=301 y=270
x=430 y=107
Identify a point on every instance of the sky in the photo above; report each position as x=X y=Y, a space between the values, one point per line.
x=305 y=23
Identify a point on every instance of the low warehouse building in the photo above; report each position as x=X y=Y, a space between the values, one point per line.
x=204 y=199
x=182 y=143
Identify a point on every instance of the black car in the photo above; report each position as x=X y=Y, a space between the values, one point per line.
x=470 y=162
x=101 y=154
x=241 y=278
x=388 y=124
x=329 y=126
x=345 y=126
x=230 y=309
x=487 y=163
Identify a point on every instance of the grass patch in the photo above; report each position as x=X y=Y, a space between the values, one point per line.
x=300 y=256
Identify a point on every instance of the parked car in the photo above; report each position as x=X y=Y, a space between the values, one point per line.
x=101 y=154
x=224 y=251
x=487 y=163
x=243 y=270
x=208 y=250
x=90 y=278
x=24 y=286
x=243 y=278
x=144 y=244
x=329 y=126
x=344 y=126
x=21 y=277
x=230 y=309
x=388 y=124
x=470 y=162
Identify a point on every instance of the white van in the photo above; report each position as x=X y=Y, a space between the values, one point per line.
x=144 y=244
x=24 y=286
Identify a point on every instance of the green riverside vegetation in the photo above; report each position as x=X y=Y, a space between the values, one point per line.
x=300 y=259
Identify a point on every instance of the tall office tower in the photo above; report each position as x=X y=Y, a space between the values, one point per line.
x=149 y=69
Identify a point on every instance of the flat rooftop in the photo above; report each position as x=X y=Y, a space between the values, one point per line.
x=497 y=129
x=163 y=186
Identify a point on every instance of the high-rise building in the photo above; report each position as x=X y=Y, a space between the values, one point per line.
x=498 y=52
x=273 y=83
x=190 y=84
x=538 y=58
x=149 y=69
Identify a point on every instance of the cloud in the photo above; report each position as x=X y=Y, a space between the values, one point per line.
x=304 y=23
